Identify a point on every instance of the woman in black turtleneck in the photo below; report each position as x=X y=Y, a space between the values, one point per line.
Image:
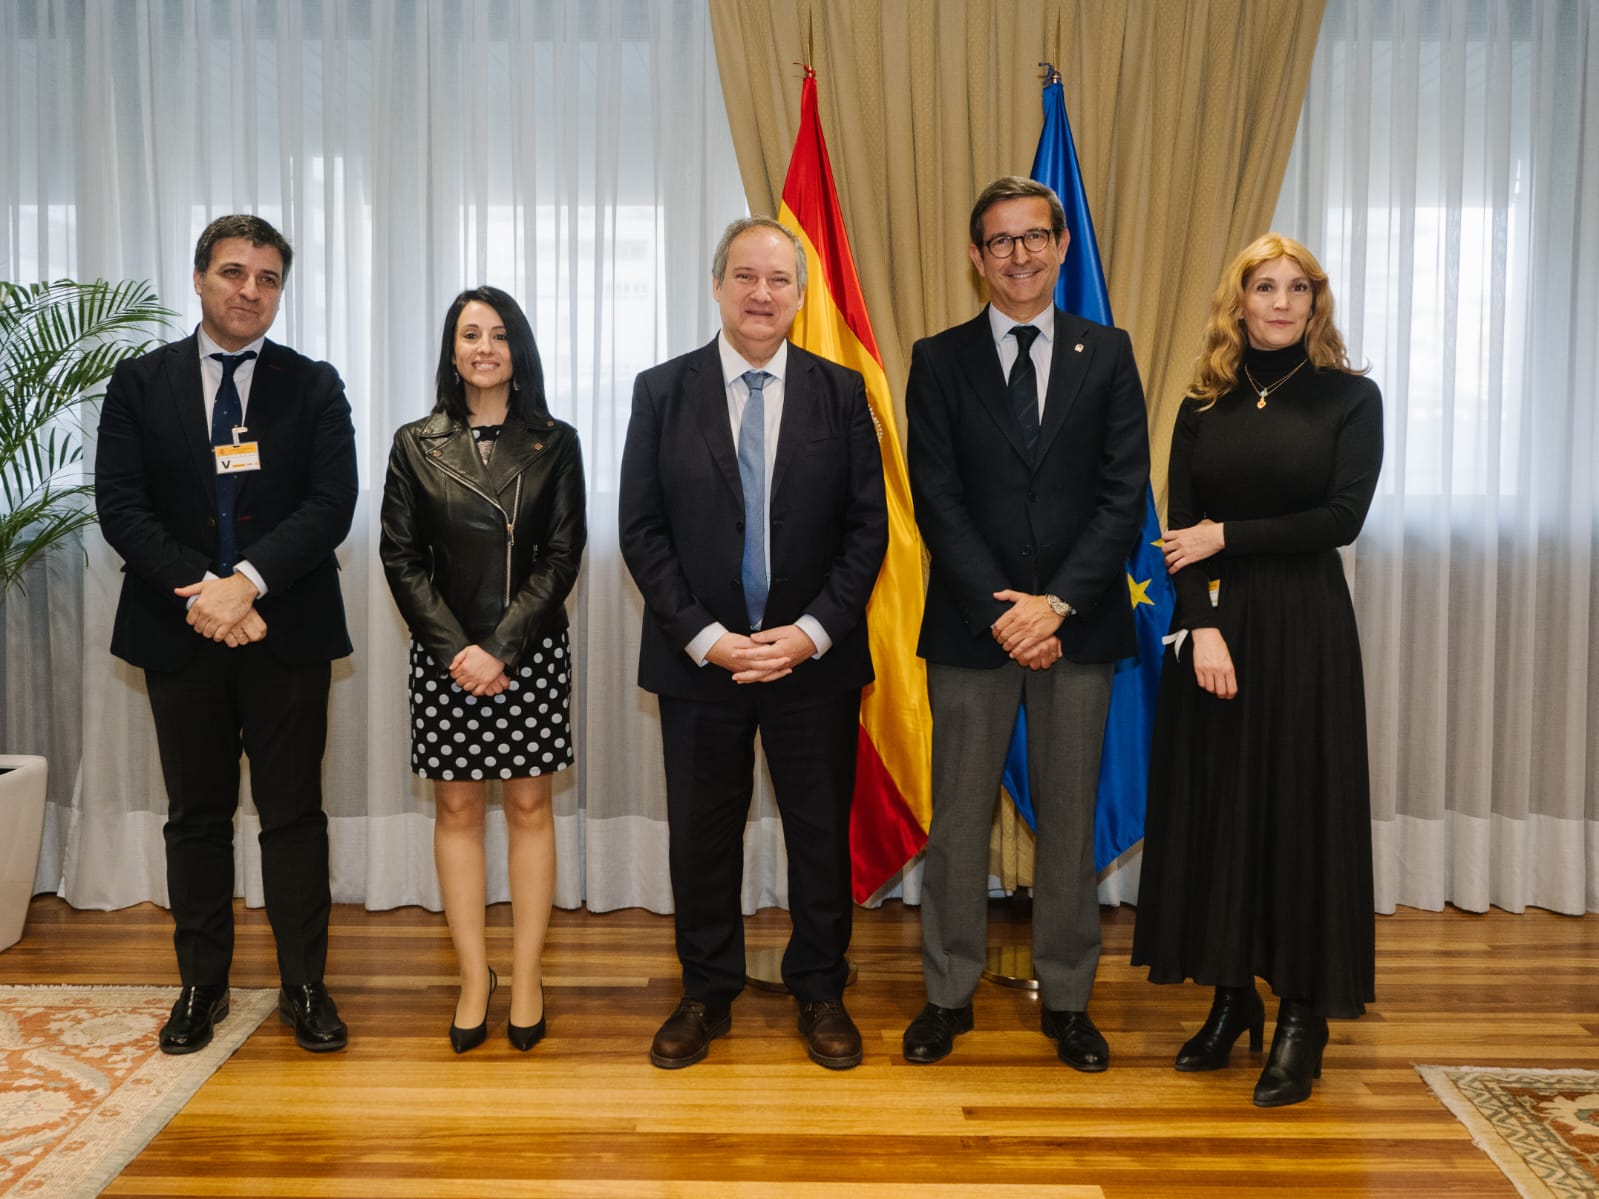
x=1257 y=848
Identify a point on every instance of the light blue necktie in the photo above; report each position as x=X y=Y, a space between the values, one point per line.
x=752 y=474
x=226 y=414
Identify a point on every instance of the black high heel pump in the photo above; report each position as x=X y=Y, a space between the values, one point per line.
x=462 y=1039
x=524 y=1037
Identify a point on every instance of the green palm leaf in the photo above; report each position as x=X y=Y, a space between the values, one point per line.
x=59 y=343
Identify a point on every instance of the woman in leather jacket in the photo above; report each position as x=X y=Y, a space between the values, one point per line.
x=483 y=531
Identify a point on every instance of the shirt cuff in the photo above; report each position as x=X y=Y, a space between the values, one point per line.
x=701 y=645
x=251 y=573
x=189 y=603
x=814 y=630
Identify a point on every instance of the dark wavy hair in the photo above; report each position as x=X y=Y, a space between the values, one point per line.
x=248 y=226
x=527 y=402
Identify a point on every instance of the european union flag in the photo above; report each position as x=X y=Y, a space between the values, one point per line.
x=1124 y=764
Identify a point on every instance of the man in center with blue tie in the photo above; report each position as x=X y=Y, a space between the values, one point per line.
x=752 y=517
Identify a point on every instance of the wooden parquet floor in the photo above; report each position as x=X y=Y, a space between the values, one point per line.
x=585 y=1114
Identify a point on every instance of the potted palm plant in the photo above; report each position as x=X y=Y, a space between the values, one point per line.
x=59 y=342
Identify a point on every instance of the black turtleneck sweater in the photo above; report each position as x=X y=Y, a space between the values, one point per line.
x=1293 y=477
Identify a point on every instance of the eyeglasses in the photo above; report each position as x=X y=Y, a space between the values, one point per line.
x=1003 y=245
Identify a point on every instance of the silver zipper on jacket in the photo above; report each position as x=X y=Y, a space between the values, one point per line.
x=510 y=524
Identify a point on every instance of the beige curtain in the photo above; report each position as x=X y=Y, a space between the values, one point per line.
x=1183 y=113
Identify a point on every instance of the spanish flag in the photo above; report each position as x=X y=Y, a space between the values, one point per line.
x=893 y=789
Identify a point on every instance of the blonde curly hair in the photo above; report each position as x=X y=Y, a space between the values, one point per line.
x=1221 y=351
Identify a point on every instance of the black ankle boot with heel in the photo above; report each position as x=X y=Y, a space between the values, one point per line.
x=1233 y=1010
x=1295 y=1059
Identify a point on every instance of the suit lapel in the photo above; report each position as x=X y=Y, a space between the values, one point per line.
x=1069 y=360
x=985 y=379
x=707 y=396
x=798 y=387
x=182 y=369
x=264 y=414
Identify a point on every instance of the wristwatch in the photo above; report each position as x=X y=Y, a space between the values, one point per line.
x=1058 y=606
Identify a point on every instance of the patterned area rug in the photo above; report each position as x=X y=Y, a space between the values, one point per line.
x=83 y=1086
x=1541 y=1127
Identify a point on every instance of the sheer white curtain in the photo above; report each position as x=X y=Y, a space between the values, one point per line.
x=1446 y=171
x=575 y=153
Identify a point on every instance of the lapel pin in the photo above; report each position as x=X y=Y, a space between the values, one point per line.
x=1078 y=347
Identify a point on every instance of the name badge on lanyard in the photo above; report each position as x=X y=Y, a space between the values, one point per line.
x=239 y=457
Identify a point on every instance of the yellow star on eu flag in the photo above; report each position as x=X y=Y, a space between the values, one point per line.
x=1139 y=591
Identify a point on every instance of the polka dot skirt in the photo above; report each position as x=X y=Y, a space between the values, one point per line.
x=524 y=730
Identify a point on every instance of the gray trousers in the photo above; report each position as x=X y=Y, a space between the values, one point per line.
x=974 y=712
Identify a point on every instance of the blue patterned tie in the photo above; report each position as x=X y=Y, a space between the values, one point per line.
x=1023 y=385
x=752 y=474
x=227 y=414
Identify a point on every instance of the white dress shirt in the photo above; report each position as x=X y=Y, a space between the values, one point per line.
x=1043 y=346
x=210 y=384
x=738 y=394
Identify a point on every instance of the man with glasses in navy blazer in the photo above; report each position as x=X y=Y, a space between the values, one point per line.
x=1028 y=459
x=225 y=476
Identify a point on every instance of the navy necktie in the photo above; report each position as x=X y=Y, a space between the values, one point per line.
x=226 y=415
x=1023 y=385
x=752 y=474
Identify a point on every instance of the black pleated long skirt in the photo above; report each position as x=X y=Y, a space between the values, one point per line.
x=1257 y=845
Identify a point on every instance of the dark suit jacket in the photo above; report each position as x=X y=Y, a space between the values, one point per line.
x=682 y=520
x=1061 y=522
x=155 y=490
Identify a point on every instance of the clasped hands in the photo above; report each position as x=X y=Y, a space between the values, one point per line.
x=1027 y=631
x=224 y=610
x=764 y=656
x=478 y=672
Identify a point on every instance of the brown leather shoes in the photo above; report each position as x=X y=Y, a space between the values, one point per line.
x=830 y=1035
x=686 y=1036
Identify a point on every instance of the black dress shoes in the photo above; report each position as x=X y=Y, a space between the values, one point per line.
x=189 y=1028
x=830 y=1035
x=1078 y=1042
x=310 y=1011
x=686 y=1036
x=932 y=1034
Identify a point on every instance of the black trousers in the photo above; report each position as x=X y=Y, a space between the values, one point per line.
x=223 y=702
x=709 y=748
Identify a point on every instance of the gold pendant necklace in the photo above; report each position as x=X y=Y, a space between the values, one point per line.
x=1267 y=390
